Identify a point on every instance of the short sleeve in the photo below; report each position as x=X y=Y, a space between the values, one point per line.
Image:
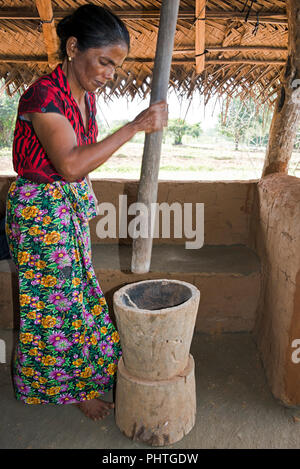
x=41 y=97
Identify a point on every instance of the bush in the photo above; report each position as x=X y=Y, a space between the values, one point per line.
x=179 y=127
x=8 y=114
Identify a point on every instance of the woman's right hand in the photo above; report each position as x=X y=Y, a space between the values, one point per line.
x=153 y=119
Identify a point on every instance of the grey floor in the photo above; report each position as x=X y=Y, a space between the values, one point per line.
x=235 y=408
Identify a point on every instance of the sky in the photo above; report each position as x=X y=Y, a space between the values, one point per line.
x=121 y=108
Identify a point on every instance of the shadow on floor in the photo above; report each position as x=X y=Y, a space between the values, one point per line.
x=235 y=408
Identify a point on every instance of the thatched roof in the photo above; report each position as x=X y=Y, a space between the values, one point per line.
x=244 y=56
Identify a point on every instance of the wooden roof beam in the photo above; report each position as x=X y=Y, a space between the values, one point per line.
x=44 y=59
x=233 y=49
x=264 y=17
x=200 y=36
x=23 y=59
x=45 y=10
x=234 y=60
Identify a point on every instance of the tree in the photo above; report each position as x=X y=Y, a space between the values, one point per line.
x=244 y=120
x=8 y=114
x=235 y=119
x=179 y=127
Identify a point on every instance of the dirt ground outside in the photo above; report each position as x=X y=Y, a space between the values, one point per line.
x=211 y=158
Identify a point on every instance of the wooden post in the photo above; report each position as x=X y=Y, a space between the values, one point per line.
x=49 y=32
x=285 y=120
x=147 y=194
x=200 y=36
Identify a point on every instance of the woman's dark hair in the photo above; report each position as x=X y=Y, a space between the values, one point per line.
x=93 y=26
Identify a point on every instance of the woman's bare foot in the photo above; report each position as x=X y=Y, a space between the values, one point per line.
x=96 y=409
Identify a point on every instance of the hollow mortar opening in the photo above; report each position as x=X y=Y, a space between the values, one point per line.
x=156 y=295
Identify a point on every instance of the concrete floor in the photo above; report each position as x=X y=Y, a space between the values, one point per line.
x=235 y=408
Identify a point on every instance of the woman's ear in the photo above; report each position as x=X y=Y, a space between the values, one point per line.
x=71 y=46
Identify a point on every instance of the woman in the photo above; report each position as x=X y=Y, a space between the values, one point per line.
x=68 y=348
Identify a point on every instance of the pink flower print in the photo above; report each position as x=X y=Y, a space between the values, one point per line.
x=37 y=279
x=101 y=379
x=59 y=374
x=59 y=322
x=85 y=351
x=66 y=399
x=64 y=387
x=38 y=358
x=34 y=301
x=103 y=346
x=38 y=318
x=93 y=292
x=21 y=239
x=61 y=257
x=63 y=213
x=109 y=351
x=28 y=192
x=63 y=345
x=18 y=381
x=89 y=320
x=18 y=211
x=31 y=262
x=60 y=301
x=109 y=339
x=107 y=319
x=56 y=297
x=56 y=337
x=15 y=230
x=59 y=341
x=60 y=361
x=61 y=283
x=24 y=389
x=76 y=337
x=75 y=295
x=87 y=261
x=63 y=237
x=97 y=335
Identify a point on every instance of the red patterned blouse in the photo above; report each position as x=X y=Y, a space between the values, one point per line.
x=50 y=93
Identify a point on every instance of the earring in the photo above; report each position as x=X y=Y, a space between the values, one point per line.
x=69 y=58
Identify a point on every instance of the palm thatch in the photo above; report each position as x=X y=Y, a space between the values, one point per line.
x=246 y=46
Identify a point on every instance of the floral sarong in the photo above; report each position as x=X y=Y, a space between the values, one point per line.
x=68 y=348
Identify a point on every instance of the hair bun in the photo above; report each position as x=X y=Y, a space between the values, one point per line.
x=63 y=27
x=93 y=26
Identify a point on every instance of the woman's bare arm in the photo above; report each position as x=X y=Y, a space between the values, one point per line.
x=73 y=162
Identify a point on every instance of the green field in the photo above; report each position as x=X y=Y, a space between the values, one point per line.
x=209 y=159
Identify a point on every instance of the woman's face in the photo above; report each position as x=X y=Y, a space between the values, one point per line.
x=95 y=66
